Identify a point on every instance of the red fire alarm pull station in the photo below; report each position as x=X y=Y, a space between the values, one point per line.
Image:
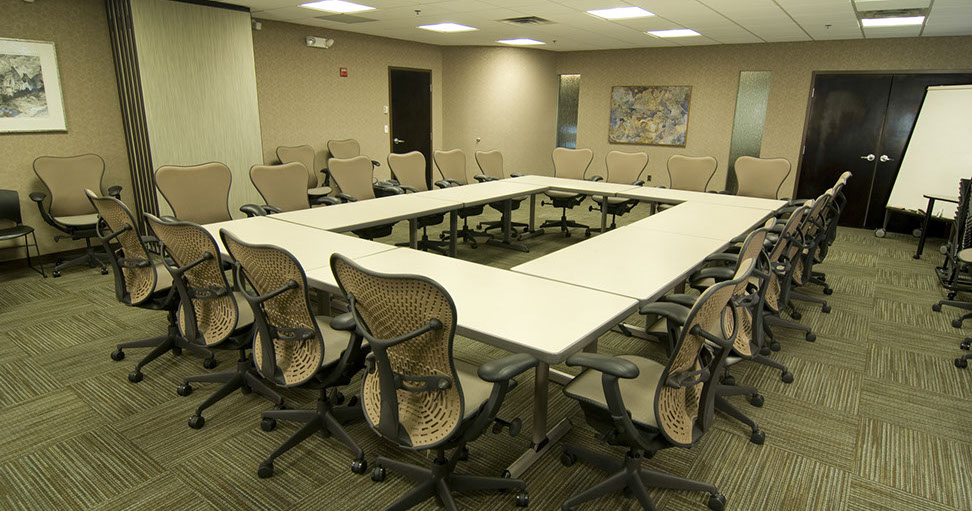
x=344 y=72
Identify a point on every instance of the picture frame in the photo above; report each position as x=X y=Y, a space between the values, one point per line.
x=30 y=87
x=650 y=115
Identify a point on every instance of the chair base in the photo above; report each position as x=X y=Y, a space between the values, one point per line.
x=326 y=419
x=441 y=481
x=498 y=224
x=173 y=341
x=723 y=405
x=565 y=225
x=91 y=257
x=465 y=234
x=628 y=476
x=803 y=297
x=786 y=323
x=245 y=379
x=425 y=244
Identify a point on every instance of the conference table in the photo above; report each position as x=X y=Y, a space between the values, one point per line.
x=601 y=189
x=668 y=196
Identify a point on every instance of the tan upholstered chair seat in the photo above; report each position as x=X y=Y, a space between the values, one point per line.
x=611 y=200
x=78 y=220
x=557 y=194
x=164 y=278
x=335 y=341
x=320 y=190
x=965 y=255
x=245 y=311
x=638 y=393
x=475 y=391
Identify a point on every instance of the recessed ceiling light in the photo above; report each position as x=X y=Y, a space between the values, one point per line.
x=680 y=32
x=447 y=27
x=339 y=6
x=620 y=13
x=520 y=42
x=892 y=22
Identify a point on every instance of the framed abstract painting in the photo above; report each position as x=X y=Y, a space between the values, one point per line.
x=30 y=88
x=650 y=115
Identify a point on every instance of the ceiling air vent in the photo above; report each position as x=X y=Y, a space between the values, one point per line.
x=893 y=13
x=345 y=18
x=527 y=20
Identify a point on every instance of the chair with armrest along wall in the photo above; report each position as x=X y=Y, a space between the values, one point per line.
x=12 y=226
x=452 y=166
x=355 y=178
x=409 y=171
x=282 y=189
x=345 y=149
x=491 y=168
x=69 y=211
x=570 y=164
x=200 y=193
x=622 y=168
x=761 y=177
x=305 y=155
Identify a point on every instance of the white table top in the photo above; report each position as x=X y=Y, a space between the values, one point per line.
x=600 y=188
x=702 y=220
x=640 y=264
x=368 y=213
x=509 y=310
x=668 y=196
x=312 y=247
x=483 y=193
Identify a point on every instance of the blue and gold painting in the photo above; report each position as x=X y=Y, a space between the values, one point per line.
x=650 y=115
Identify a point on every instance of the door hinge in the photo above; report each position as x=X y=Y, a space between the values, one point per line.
x=804 y=151
x=812 y=91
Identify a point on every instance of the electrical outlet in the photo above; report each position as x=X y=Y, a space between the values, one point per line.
x=648 y=178
x=386 y=128
x=386 y=109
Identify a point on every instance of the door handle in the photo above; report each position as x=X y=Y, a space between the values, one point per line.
x=869 y=157
x=884 y=158
x=400 y=141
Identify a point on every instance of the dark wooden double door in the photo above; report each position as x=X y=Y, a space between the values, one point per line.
x=861 y=123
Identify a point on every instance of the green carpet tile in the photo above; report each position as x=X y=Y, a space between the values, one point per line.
x=877 y=419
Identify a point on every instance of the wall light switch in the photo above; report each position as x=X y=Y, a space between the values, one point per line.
x=386 y=128
x=386 y=109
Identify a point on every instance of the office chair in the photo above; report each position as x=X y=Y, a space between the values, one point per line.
x=964 y=258
x=491 y=168
x=805 y=251
x=452 y=166
x=761 y=177
x=305 y=155
x=292 y=347
x=282 y=188
x=199 y=193
x=12 y=226
x=140 y=282
x=346 y=149
x=622 y=168
x=784 y=264
x=570 y=164
x=68 y=211
x=953 y=274
x=692 y=173
x=645 y=406
x=415 y=393
x=212 y=314
x=355 y=178
x=409 y=170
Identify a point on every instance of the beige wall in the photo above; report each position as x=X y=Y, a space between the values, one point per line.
x=303 y=100
x=713 y=73
x=508 y=98
x=79 y=30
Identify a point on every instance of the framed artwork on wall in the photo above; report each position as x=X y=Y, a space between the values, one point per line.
x=30 y=88
x=649 y=115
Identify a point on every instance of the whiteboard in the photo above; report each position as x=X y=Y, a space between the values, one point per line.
x=939 y=152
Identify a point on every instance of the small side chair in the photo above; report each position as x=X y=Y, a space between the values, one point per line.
x=12 y=226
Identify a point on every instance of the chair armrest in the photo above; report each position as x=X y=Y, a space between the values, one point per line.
x=252 y=210
x=640 y=182
x=268 y=209
x=614 y=366
x=796 y=202
x=722 y=258
x=719 y=273
x=149 y=239
x=681 y=299
x=385 y=191
x=389 y=182
x=516 y=174
x=443 y=183
x=668 y=310
x=344 y=322
x=345 y=197
x=325 y=200
x=595 y=178
x=115 y=191
x=482 y=178
x=376 y=163
x=506 y=368
x=37 y=197
x=407 y=188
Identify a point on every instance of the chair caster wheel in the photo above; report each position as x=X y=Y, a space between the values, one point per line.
x=378 y=474
x=756 y=400
x=268 y=424
x=758 y=437
x=957 y=323
x=522 y=499
x=118 y=355
x=359 y=466
x=177 y=351
x=951 y=295
x=135 y=376
x=811 y=336
x=717 y=502
x=197 y=421
x=961 y=363
x=464 y=455
x=210 y=363
x=828 y=291
x=587 y=233
x=245 y=390
x=56 y=273
x=729 y=380
x=265 y=470
x=966 y=344
x=765 y=351
x=184 y=390
x=474 y=245
x=796 y=315
x=352 y=402
x=825 y=309
x=104 y=271
x=567 y=459
x=775 y=346
x=787 y=377
x=566 y=234
x=338 y=397
x=937 y=307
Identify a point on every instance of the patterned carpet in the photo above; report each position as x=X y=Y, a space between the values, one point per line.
x=877 y=419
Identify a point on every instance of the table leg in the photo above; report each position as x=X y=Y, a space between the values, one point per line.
x=507 y=241
x=531 y=230
x=543 y=440
x=453 y=228
x=413 y=233
x=604 y=206
x=924 y=228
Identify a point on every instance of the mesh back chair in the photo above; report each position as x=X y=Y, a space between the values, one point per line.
x=953 y=273
x=692 y=173
x=68 y=211
x=212 y=315
x=139 y=282
x=645 y=406
x=12 y=226
x=570 y=164
x=761 y=177
x=964 y=257
x=622 y=168
x=452 y=166
x=306 y=156
x=282 y=188
x=355 y=178
x=415 y=393
x=292 y=347
x=409 y=170
x=804 y=252
x=782 y=268
x=491 y=168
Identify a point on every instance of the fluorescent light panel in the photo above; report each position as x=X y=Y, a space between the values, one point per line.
x=520 y=42
x=892 y=22
x=620 y=13
x=679 y=32
x=338 y=6
x=447 y=27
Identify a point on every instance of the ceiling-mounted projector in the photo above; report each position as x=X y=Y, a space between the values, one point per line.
x=319 y=42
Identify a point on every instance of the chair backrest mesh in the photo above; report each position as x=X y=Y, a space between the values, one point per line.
x=343 y=149
x=780 y=251
x=451 y=164
x=691 y=173
x=354 y=176
x=409 y=169
x=303 y=154
x=198 y=194
x=215 y=315
x=491 y=163
x=744 y=326
x=394 y=305
x=138 y=281
x=67 y=178
x=281 y=186
x=761 y=177
x=625 y=168
x=571 y=163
